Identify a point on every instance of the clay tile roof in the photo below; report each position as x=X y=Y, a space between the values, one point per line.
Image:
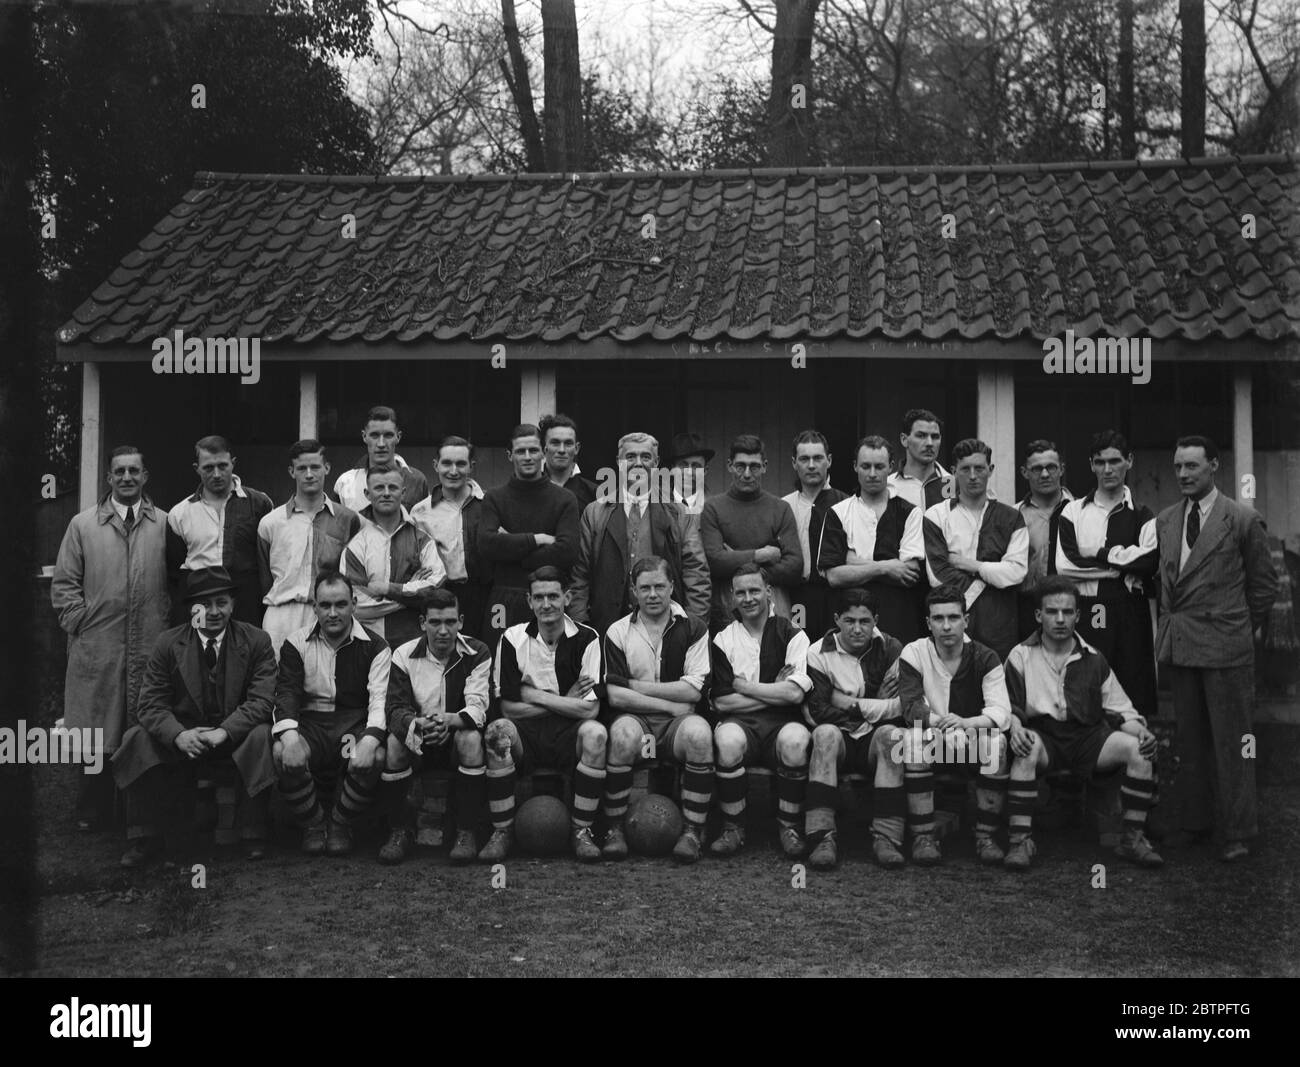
x=998 y=252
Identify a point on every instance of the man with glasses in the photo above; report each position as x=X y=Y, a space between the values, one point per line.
x=1106 y=544
x=1044 y=472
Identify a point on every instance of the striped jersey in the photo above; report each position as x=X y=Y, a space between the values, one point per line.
x=978 y=687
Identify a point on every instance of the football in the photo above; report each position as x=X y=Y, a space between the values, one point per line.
x=542 y=826
x=653 y=825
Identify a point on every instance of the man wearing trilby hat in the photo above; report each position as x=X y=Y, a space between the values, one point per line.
x=206 y=698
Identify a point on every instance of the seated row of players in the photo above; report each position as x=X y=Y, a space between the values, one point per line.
x=346 y=706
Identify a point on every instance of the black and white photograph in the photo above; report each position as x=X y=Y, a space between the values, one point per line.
x=652 y=489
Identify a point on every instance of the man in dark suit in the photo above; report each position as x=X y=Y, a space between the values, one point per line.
x=638 y=521
x=206 y=699
x=1216 y=586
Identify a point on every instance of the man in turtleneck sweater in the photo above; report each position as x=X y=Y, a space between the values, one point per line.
x=527 y=523
x=748 y=525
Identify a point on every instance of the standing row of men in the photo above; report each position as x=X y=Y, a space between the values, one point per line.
x=903 y=532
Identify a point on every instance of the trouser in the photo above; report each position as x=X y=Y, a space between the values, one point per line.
x=1213 y=710
x=164 y=797
x=280 y=620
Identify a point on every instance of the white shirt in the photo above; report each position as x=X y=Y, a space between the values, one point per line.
x=203 y=528
x=913 y=489
x=860 y=520
x=1205 y=503
x=803 y=509
x=445 y=524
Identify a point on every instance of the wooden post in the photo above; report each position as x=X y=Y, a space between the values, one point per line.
x=308 y=404
x=536 y=391
x=92 y=435
x=1243 y=436
x=996 y=426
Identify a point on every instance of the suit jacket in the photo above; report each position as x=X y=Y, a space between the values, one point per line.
x=1210 y=610
x=599 y=587
x=171 y=701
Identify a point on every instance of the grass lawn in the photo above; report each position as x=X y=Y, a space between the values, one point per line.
x=291 y=916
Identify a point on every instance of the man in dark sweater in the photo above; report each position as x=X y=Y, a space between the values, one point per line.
x=749 y=525
x=527 y=523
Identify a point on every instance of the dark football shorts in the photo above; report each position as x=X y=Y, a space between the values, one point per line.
x=328 y=736
x=761 y=729
x=662 y=727
x=1071 y=746
x=548 y=740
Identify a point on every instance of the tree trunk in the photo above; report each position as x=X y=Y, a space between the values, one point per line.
x=790 y=107
x=516 y=75
x=1127 y=102
x=1192 y=108
x=563 y=83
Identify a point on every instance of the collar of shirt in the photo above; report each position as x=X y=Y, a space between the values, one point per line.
x=675 y=611
x=368 y=513
x=900 y=476
x=236 y=489
x=570 y=628
x=1206 y=503
x=358 y=633
x=1126 y=499
x=363 y=463
x=876 y=639
x=291 y=506
x=120 y=508
x=643 y=501
x=1028 y=502
x=1034 y=642
x=422 y=650
x=205 y=640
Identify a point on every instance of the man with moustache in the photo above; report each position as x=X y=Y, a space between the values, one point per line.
x=1044 y=471
x=874 y=541
x=980 y=546
x=527 y=523
x=391 y=562
x=614 y=534
x=297 y=541
x=1217 y=584
x=747 y=524
x=217 y=527
x=811 y=503
x=452 y=515
x=381 y=435
x=920 y=480
x=1106 y=545
x=205 y=699
x=110 y=594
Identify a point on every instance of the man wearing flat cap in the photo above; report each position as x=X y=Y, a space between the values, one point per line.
x=206 y=699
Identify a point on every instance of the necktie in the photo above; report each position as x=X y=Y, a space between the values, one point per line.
x=210 y=654
x=636 y=514
x=1194 y=525
x=129 y=521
